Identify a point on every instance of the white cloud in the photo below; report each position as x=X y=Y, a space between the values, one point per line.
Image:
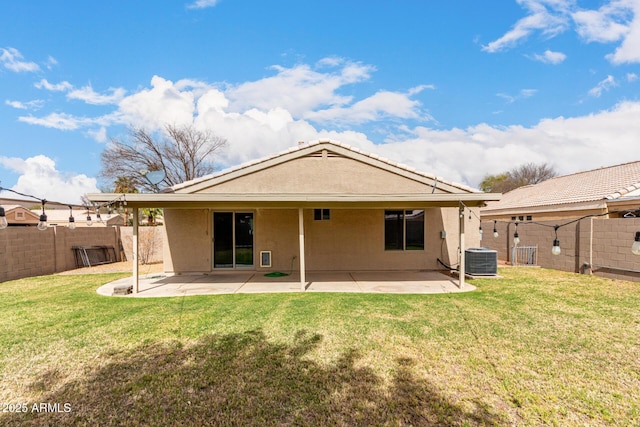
x=298 y=89
x=547 y=16
x=629 y=49
x=256 y=126
x=99 y=134
x=12 y=60
x=614 y=21
x=569 y=144
x=36 y=104
x=88 y=95
x=550 y=57
x=163 y=103
x=523 y=94
x=632 y=77
x=85 y=93
x=64 y=121
x=40 y=178
x=60 y=121
x=51 y=62
x=381 y=105
x=605 y=25
x=603 y=86
x=202 y=4
x=58 y=87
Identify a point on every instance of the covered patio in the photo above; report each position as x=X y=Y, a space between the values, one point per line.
x=314 y=210
x=235 y=282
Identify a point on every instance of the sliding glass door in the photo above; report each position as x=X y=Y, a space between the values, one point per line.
x=232 y=239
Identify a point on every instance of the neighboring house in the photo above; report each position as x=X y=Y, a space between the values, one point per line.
x=60 y=217
x=612 y=192
x=19 y=216
x=318 y=206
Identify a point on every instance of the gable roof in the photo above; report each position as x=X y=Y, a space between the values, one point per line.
x=597 y=185
x=334 y=148
x=243 y=186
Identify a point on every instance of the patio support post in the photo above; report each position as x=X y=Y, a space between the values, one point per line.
x=135 y=251
x=462 y=254
x=303 y=281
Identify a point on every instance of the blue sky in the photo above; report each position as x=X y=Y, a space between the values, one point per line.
x=458 y=89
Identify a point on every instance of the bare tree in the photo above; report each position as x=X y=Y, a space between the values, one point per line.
x=520 y=176
x=183 y=153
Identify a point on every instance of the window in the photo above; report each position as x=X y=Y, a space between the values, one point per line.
x=404 y=230
x=20 y=216
x=529 y=217
x=321 y=214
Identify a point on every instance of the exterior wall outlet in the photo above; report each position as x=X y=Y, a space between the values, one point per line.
x=443 y=234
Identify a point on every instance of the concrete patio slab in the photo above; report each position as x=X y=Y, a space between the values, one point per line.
x=398 y=282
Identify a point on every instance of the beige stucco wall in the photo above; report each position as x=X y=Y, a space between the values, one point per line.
x=187 y=244
x=353 y=239
x=339 y=175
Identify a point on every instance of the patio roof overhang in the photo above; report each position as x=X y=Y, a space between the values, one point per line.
x=289 y=200
x=295 y=201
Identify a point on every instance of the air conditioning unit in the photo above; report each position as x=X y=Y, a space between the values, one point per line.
x=481 y=262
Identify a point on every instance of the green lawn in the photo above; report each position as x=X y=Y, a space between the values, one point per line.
x=537 y=347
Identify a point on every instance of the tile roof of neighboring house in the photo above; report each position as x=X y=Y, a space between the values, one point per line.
x=605 y=183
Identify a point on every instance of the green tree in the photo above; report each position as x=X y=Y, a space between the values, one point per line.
x=520 y=176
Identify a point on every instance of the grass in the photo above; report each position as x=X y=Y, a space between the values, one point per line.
x=537 y=347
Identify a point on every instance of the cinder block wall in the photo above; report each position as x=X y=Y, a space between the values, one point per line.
x=605 y=244
x=27 y=251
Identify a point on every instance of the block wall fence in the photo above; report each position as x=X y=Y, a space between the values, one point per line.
x=27 y=251
x=590 y=246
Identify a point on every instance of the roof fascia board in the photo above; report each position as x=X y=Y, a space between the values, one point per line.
x=599 y=204
x=297 y=200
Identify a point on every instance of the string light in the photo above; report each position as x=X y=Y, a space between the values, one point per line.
x=635 y=249
x=89 y=221
x=42 y=224
x=555 y=250
x=516 y=237
x=72 y=220
x=495 y=230
x=3 y=219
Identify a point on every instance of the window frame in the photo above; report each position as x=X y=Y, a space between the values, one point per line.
x=403 y=230
x=322 y=214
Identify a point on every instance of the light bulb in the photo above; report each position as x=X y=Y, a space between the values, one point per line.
x=555 y=250
x=636 y=244
x=495 y=233
x=480 y=233
x=89 y=222
x=516 y=239
x=72 y=223
x=3 y=220
x=42 y=225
